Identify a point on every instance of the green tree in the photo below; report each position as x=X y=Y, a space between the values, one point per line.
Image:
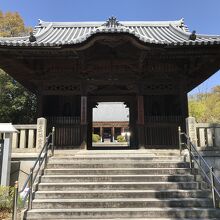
x=196 y=108
x=17 y=105
x=205 y=107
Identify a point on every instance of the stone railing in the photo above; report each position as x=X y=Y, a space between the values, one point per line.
x=30 y=137
x=26 y=138
x=203 y=135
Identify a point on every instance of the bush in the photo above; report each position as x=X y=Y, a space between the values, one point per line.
x=95 y=138
x=121 y=138
x=6 y=198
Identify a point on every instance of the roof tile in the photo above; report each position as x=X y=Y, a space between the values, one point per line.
x=157 y=32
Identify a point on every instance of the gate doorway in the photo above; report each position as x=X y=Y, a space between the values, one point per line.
x=111 y=123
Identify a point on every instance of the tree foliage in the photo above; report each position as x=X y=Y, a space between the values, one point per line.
x=205 y=107
x=17 y=105
x=12 y=25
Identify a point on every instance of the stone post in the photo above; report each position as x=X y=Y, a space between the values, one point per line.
x=6 y=162
x=5 y=152
x=5 y=157
x=23 y=139
x=15 y=140
x=41 y=132
x=191 y=129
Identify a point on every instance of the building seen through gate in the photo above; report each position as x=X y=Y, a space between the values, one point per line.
x=148 y=66
x=111 y=123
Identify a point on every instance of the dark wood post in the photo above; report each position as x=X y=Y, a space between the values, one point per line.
x=184 y=103
x=84 y=120
x=39 y=105
x=140 y=121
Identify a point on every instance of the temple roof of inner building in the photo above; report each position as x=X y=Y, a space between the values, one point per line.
x=69 y=33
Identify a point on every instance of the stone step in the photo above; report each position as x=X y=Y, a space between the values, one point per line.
x=118 y=186
x=112 y=160
x=142 y=218
x=116 y=158
x=118 y=165
x=104 y=194
x=124 y=213
x=120 y=203
x=115 y=178
x=119 y=171
x=121 y=185
x=149 y=152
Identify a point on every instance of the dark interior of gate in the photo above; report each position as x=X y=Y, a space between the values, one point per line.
x=115 y=69
x=151 y=78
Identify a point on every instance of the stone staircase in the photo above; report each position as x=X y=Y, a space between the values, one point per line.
x=129 y=184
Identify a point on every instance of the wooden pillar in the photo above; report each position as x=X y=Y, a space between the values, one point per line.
x=113 y=134
x=39 y=106
x=183 y=103
x=84 y=120
x=140 y=102
x=140 y=121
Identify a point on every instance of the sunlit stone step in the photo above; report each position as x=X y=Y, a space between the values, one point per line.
x=119 y=164
x=120 y=171
x=103 y=194
x=124 y=213
x=118 y=185
x=120 y=203
x=123 y=185
x=115 y=178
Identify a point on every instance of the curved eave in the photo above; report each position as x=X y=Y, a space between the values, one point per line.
x=85 y=38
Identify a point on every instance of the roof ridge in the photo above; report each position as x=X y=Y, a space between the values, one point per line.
x=99 y=23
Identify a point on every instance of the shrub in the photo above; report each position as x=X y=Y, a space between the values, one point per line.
x=121 y=138
x=6 y=198
x=95 y=138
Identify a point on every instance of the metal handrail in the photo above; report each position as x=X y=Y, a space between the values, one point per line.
x=42 y=158
x=195 y=156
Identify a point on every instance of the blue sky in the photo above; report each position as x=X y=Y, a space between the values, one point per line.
x=200 y=15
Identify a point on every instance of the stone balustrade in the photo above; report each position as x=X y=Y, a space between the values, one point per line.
x=26 y=138
x=203 y=135
x=30 y=137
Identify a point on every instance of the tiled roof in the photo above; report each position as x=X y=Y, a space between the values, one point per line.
x=67 y=33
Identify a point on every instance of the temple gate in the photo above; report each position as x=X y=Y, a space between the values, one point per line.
x=150 y=66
